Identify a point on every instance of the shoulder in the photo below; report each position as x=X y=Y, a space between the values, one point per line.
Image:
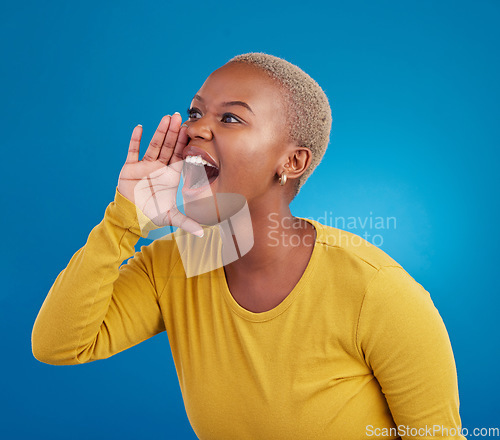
x=360 y=267
x=351 y=246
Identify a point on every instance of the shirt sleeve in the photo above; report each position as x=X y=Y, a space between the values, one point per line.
x=97 y=308
x=404 y=341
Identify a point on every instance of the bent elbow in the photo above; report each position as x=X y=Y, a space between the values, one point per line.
x=48 y=353
x=52 y=357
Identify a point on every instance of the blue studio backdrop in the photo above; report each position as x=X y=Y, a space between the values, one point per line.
x=415 y=97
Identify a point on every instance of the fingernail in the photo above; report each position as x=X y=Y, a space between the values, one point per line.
x=184 y=125
x=139 y=125
x=199 y=233
x=176 y=113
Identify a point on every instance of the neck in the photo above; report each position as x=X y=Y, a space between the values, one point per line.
x=277 y=235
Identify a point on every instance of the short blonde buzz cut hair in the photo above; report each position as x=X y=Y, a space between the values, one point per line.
x=309 y=117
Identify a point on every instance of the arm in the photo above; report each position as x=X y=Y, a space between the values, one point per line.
x=404 y=341
x=96 y=308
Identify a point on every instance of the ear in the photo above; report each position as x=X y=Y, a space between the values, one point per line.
x=296 y=162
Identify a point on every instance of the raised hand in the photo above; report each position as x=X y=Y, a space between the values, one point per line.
x=151 y=183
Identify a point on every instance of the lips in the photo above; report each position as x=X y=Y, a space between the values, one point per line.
x=192 y=150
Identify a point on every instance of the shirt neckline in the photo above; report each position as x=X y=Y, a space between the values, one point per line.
x=283 y=305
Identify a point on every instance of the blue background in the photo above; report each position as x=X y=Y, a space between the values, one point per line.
x=415 y=96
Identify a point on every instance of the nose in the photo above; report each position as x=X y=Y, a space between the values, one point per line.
x=199 y=129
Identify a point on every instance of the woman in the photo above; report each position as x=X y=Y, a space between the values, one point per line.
x=309 y=333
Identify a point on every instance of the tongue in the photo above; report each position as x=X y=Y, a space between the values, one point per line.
x=212 y=173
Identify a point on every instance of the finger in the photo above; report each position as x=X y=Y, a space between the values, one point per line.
x=178 y=219
x=157 y=140
x=135 y=142
x=167 y=156
x=171 y=137
x=181 y=143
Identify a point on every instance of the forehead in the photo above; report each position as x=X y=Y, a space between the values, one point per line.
x=242 y=82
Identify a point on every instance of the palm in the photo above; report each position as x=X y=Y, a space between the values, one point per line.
x=155 y=194
x=151 y=184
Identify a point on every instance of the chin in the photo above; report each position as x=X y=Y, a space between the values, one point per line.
x=209 y=208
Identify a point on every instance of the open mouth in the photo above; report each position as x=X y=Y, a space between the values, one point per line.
x=198 y=173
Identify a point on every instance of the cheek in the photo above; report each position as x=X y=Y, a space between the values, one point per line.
x=252 y=163
x=262 y=148
x=246 y=171
x=251 y=157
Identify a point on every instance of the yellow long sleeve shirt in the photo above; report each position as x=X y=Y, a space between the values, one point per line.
x=356 y=350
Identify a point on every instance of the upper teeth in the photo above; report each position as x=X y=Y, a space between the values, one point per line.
x=198 y=160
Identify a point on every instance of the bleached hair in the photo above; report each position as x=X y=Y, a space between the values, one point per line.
x=309 y=117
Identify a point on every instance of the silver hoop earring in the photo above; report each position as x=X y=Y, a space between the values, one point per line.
x=282 y=178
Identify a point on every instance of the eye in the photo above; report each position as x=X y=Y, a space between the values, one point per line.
x=229 y=115
x=191 y=112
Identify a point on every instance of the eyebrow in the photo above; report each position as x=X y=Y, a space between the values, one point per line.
x=225 y=104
